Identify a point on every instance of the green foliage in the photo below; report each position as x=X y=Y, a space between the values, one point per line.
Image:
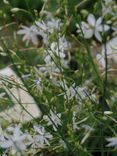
x=58 y=68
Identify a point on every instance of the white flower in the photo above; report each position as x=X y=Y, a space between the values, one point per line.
x=63 y=44
x=54 y=119
x=57 y=51
x=41 y=25
x=74 y=92
x=114 y=28
x=53 y=52
x=111 y=49
x=74 y=123
x=30 y=34
x=53 y=24
x=41 y=136
x=2 y=139
x=38 y=84
x=80 y=91
x=101 y=60
x=15 y=140
x=93 y=27
x=43 y=30
x=49 y=25
x=112 y=142
x=70 y=92
x=107 y=7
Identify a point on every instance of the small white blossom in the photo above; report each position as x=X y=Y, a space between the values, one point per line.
x=53 y=52
x=111 y=49
x=53 y=24
x=30 y=34
x=15 y=140
x=43 y=30
x=81 y=92
x=100 y=59
x=54 y=119
x=112 y=142
x=74 y=92
x=38 y=84
x=63 y=44
x=93 y=27
x=70 y=92
x=57 y=50
x=41 y=137
x=2 y=139
x=107 y=7
x=93 y=97
x=74 y=123
x=49 y=25
x=41 y=25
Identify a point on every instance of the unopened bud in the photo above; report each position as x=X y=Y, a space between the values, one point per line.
x=5 y=2
x=14 y=10
x=108 y=112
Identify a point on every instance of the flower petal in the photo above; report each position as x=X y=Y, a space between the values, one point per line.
x=98 y=36
x=113 y=142
x=103 y=28
x=101 y=60
x=106 y=27
x=88 y=33
x=91 y=19
x=6 y=144
x=99 y=21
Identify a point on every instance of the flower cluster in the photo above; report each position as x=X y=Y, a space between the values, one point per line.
x=64 y=67
x=16 y=141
